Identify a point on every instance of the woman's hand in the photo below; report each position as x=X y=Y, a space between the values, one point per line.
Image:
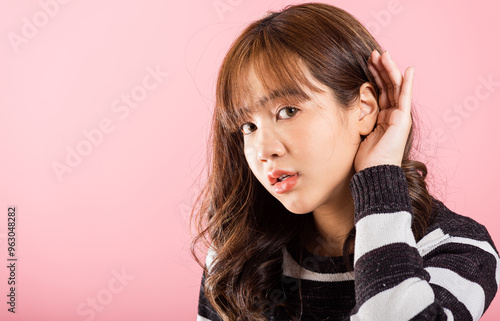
x=386 y=143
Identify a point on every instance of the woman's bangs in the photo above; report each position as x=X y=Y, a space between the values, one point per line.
x=281 y=78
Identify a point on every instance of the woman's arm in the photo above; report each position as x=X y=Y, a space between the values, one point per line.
x=393 y=281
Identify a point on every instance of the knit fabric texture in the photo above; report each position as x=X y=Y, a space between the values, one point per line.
x=452 y=273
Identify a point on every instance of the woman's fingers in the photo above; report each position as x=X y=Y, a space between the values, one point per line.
x=407 y=91
x=393 y=77
x=381 y=64
x=388 y=78
x=384 y=101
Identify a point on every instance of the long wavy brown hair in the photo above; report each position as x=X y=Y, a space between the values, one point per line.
x=234 y=214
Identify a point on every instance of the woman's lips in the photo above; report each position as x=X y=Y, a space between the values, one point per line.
x=286 y=185
x=277 y=173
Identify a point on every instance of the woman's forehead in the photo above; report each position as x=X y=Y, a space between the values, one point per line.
x=257 y=95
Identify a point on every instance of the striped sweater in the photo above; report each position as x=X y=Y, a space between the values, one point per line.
x=452 y=273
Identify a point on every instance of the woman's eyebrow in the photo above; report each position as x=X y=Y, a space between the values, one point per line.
x=279 y=94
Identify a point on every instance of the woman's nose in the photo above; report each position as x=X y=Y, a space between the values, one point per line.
x=269 y=145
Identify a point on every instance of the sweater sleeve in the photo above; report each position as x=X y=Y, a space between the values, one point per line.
x=393 y=280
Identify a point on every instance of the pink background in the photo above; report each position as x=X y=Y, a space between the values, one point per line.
x=67 y=68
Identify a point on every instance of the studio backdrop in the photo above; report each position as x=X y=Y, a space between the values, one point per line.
x=105 y=110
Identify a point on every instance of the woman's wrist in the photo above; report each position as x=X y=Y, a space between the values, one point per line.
x=379 y=189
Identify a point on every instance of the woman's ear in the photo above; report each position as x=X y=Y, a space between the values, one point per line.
x=367 y=109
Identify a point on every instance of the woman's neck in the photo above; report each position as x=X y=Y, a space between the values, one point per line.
x=330 y=229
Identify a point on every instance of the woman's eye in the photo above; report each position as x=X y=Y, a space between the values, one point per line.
x=242 y=127
x=288 y=108
x=285 y=112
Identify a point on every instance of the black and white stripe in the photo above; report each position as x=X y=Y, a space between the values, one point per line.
x=452 y=273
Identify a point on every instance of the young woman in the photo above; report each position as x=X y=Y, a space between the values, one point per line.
x=313 y=208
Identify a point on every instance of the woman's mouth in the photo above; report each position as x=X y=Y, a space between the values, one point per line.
x=285 y=183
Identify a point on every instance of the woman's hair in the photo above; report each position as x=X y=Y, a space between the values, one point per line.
x=238 y=218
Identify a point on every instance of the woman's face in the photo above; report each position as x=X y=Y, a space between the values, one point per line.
x=308 y=139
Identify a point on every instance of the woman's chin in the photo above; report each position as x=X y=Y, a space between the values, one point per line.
x=297 y=209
